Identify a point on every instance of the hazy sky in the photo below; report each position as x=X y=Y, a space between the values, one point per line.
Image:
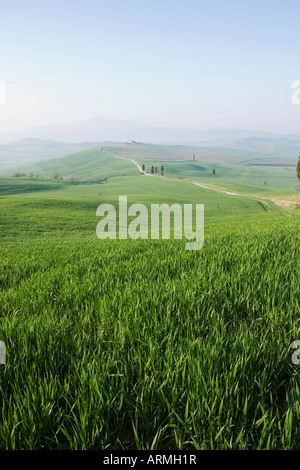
x=188 y=63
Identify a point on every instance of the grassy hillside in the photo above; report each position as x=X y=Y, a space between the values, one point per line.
x=244 y=179
x=276 y=149
x=181 y=153
x=123 y=344
x=244 y=153
x=97 y=164
x=249 y=176
x=28 y=151
x=86 y=164
x=35 y=193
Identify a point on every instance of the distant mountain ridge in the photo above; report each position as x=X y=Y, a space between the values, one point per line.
x=104 y=129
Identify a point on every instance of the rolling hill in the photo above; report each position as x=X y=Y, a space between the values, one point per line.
x=251 y=175
x=146 y=152
x=25 y=151
x=86 y=164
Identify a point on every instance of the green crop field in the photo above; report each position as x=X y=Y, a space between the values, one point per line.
x=86 y=164
x=95 y=164
x=243 y=179
x=29 y=151
x=123 y=344
x=208 y=154
x=149 y=230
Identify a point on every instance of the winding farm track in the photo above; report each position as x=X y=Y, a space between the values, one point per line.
x=275 y=200
x=130 y=160
x=262 y=199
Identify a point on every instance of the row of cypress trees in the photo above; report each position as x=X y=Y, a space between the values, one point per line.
x=154 y=170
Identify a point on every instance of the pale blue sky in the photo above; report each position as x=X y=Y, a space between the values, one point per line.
x=197 y=63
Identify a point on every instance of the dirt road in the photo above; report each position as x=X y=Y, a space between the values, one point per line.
x=276 y=200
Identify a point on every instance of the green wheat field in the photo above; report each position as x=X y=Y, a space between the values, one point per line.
x=123 y=344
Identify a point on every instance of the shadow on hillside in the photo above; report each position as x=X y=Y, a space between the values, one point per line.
x=11 y=189
x=17 y=186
